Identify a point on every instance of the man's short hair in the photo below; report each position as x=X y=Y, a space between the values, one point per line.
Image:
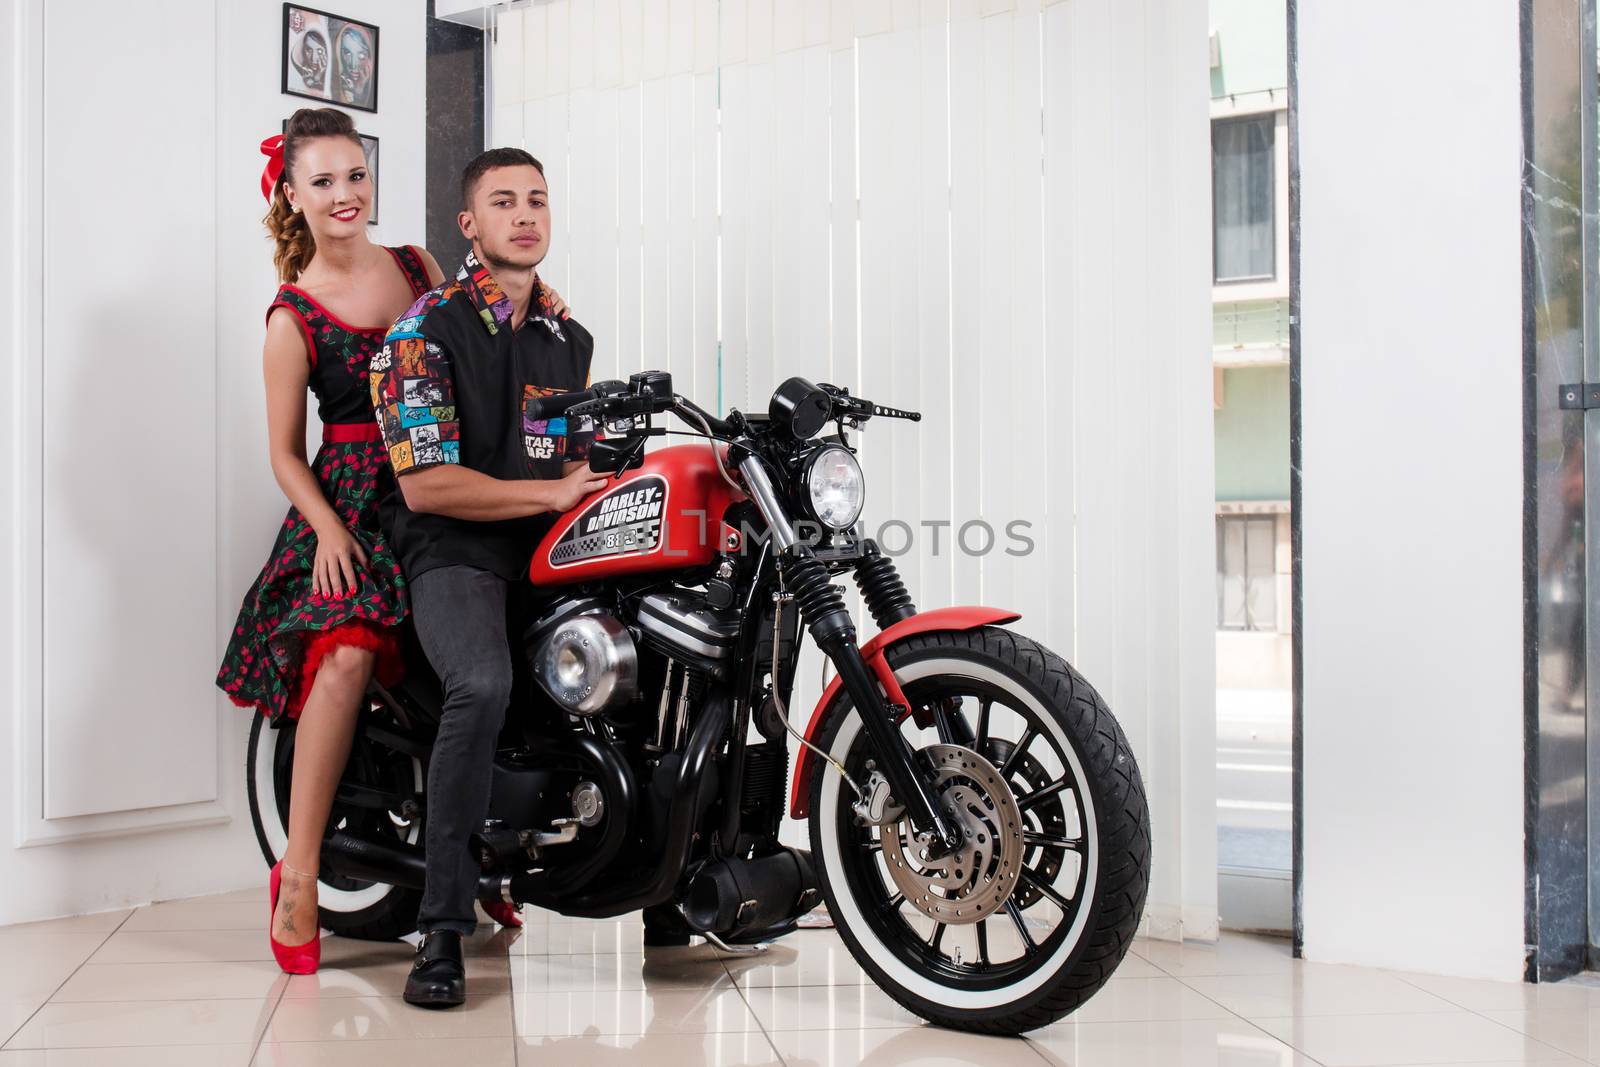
x=487 y=161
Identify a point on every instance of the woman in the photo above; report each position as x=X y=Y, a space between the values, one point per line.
x=321 y=618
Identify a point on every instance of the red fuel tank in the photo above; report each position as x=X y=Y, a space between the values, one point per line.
x=664 y=515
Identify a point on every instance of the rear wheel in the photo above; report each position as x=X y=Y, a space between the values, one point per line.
x=1033 y=914
x=349 y=907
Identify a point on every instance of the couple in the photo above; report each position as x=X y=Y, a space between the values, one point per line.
x=438 y=397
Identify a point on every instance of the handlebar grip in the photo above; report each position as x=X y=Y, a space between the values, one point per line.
x=587 y=408
x=896 y=413
x=549 y=407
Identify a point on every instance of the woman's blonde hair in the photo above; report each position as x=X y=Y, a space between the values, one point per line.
x=293 y=245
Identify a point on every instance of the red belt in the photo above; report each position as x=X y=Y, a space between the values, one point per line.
x=348 y=433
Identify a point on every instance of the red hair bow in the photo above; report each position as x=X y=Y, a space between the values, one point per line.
x=272 y=148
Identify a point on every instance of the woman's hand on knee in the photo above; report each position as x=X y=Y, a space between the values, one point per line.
x=339 y=556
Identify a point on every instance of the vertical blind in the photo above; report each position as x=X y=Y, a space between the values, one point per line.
x=995 y=213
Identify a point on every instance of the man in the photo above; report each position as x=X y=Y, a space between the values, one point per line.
x=477 y=484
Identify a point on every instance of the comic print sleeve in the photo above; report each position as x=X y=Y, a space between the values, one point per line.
x=414 y=400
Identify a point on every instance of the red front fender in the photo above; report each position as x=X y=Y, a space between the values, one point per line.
x=958 y=618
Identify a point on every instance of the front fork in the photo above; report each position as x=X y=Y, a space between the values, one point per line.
x=823 y=610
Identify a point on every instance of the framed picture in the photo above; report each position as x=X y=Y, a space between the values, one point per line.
x=329 y=57
x=369 y=149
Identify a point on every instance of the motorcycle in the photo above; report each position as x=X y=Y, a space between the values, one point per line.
x=977 y=822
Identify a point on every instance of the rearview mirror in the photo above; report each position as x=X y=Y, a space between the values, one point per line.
x=612 y=456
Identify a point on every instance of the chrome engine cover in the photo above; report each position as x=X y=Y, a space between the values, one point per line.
x=684 y=626
x=587 y=663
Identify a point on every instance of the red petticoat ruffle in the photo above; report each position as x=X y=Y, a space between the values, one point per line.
x=384 y=641
x=357 y=633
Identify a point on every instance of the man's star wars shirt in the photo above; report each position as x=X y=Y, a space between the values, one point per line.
x=451 y=385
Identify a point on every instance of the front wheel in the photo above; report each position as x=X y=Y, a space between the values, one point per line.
x=1030 y=917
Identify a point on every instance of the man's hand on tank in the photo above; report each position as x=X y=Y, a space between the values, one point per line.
x=563 y=494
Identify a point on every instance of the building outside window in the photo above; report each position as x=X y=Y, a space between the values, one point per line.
x=1247 y=578
x=1243 y=201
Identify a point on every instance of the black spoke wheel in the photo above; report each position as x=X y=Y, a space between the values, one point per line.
x=1054 y=937
x=1048 y=841
x=919 y=939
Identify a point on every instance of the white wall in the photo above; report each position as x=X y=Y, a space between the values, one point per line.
x=996 y=213
x=1411 y=334
x=137 y=499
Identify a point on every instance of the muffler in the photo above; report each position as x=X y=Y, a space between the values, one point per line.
x=374 y=861
x=751 y=899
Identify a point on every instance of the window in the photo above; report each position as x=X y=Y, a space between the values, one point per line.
x=1247 y=580
x=1242 y=179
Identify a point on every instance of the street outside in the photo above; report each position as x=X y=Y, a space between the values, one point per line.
x=1254 y=799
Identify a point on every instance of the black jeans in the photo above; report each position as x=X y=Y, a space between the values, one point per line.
x=460 y=616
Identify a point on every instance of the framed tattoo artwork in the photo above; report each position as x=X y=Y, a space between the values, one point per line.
x=329 y=57
x=369 y=149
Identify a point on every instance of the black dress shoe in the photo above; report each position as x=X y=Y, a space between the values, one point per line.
x=664 y=927
x=438 y=977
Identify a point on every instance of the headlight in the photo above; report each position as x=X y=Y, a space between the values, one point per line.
x=835 y=487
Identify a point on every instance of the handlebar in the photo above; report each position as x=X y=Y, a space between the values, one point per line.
x=549 y=407
x=627 y=404
x=689 y=411
x=587 y=408
x=649 y=394
x=847 y=406
x=896 y=413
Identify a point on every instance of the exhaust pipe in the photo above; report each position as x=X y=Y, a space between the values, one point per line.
x=374 y=861
x=738 y=899
x=394 y=863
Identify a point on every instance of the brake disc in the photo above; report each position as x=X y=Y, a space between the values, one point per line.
x=973 y=882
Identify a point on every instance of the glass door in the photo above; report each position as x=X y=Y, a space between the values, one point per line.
x=1250 y=359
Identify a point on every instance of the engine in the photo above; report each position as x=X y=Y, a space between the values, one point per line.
x=683 y=626
x=584 y=658
x=648 y=676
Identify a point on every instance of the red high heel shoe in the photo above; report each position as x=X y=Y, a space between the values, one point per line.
x=294 y=959
x=506 y=915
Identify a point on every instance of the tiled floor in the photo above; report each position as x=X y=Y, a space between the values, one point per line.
x=193 y=983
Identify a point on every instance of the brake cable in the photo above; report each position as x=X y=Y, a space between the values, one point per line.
x=783 y=712
x=687 y=412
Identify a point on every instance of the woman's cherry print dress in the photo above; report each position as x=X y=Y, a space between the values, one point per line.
x=284 y=629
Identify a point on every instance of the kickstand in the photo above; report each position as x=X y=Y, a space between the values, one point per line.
x=737 y=950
